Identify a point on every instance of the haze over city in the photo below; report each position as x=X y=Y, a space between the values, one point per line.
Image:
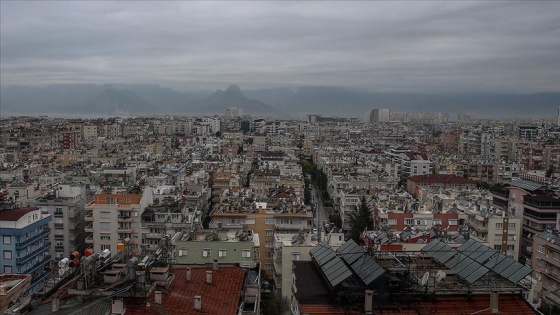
x=411 y=47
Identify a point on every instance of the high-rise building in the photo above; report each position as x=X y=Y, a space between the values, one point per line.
x=380 y=115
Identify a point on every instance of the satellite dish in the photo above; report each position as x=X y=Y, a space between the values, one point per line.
x=441 y=277
x=425 y=278
x=438 y=273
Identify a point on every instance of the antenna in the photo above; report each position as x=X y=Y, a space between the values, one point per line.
x=425 y=278
x=441 y=276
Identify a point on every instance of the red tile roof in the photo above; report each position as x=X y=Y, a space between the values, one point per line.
x=511 y=304
x=15 y=214
x=440 y=178
x=220 y=297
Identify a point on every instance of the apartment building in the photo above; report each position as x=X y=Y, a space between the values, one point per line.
x=290 y=248
x=114 y=215
x=498 y=230
x=65 y=203
x=25 y=244
x=265 y=219
x=545 y=262
x=223 y=247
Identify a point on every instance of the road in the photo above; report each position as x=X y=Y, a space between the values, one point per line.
x=320 y=214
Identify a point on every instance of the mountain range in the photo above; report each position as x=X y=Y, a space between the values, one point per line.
x=143 y=99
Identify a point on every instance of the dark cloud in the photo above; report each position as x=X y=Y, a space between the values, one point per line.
x=384 y=46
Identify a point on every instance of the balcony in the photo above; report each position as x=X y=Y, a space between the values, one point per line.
x=124 y=219
x=89 y=239
x=292 y=226
x=59 y=225
x=153 y=235
x=26 y=258
x=59 y=247
x=58 y=214
x=478 y=227
x=89 y=217
x=124 y=230
x=89 y=228
x=22 y=245
x=59 y=237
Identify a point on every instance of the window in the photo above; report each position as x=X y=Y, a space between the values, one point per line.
x=221 y=253
x=452 y=222
x=295 y=256
x=540 y=262
x=7 y=239
x=269 y=244
x=206 y=252
x=269 y=232
x=498 y=247
x=104 y=247
x=7 y=254
x=510 y=247
x=246 y=253
x=269 y=221
x=392 y=221
x=104 y=236
x=437 y=221
x=409 y=221
x=182 y=252
x=511 y=226
x=268 y=266
x=556 y=256
x=540 y=249
x=269 y=255
x=499 y=225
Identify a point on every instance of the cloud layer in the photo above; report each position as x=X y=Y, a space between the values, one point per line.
x=380 y=46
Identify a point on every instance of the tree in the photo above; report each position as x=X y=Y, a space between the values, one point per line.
x=360 y=220
x=549 y=172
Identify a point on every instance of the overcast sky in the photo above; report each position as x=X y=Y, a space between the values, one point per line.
x=408 y=46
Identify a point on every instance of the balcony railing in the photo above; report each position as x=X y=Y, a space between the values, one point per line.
x=43 y=234
x=26 y=258
x=59 y=225
x=89 y=217
x=89 y=228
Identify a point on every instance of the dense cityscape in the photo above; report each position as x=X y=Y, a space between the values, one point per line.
x=233 y=214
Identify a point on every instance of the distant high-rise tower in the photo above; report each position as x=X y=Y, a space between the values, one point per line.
x=558 y=117
x=380 y=115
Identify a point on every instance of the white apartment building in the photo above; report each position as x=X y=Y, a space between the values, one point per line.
x=115 y=215
x=293 y=247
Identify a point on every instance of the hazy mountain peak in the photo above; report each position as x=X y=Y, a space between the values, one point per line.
x=234 y=88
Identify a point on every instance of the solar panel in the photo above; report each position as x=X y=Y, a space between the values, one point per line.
x=463 y=263
x=494 y=261
x=325 y=256
x=430 y=245
x=446 y=256
x=484 y=255
x=474 y=272
x=474 y=249
x=453 y=261
x=466 y=245
x=513 y=268
x=520 y=274
x=502 y=265
x=336 y=271
x=350 y=251
x=367 y=269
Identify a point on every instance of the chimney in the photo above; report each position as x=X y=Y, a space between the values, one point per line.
x=198 y=302
x=215 y=264
x=157 y=296
x=368 y=302
x=494 y=297
x=117 y=307
x=55 y=303
x=189 y=274
x=209 y=276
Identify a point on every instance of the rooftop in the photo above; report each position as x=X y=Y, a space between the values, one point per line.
x=15 y=214
x=220 y=297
